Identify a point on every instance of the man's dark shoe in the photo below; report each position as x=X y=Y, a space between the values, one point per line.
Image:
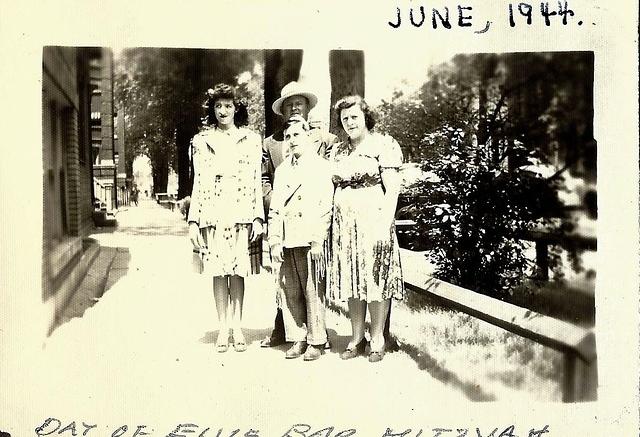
x=327 y=345
x=272 y=341
x=277 y=335
x=391 y=345
x=296 y=350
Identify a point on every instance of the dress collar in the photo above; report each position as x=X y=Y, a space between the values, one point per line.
x=348 y=147
x=238 y=134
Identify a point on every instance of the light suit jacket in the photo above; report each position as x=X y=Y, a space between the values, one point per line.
x=274 y=153
x=302 y=202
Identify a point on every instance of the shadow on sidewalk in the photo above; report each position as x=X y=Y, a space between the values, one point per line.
x=110 y=265
x=424 y=361
x=251 y=336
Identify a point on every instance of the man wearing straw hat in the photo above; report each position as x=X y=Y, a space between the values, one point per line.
x=295 y=99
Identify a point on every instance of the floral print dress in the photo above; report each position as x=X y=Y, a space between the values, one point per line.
x=364 y=265
x=226 y=198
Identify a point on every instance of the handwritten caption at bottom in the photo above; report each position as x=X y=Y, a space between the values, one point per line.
x=52 y=426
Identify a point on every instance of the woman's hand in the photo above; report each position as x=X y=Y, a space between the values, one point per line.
x=276 y=253
x=195 y=236
x=256 y=230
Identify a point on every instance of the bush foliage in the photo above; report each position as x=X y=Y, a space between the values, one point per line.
x=483 y=124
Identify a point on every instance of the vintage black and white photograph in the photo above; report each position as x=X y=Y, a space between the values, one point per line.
x=233 y=216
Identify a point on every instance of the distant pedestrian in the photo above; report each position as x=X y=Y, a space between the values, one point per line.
x=226 y=212
x=134 y=196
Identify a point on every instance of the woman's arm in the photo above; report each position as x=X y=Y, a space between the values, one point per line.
x=391 y=182
x=322 y=191
x=193 y=217
x=196 y=157
x=390 y=160
x=276 y=236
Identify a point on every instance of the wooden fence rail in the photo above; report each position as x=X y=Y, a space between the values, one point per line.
x=577 y=344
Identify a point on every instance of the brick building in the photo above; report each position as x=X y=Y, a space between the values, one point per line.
x=81 y=165
x=107 y=159
x=67 y=168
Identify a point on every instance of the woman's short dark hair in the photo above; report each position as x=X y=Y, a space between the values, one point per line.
x=224 y=91
x=348 y=102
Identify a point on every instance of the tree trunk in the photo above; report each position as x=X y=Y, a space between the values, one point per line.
x=160 y=173
x=188 y=122
x=280 y=68
x=184 y=133
x=346 y=68
x=488 y=64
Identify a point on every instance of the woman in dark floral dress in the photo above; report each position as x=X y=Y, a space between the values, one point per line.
x=365 y=268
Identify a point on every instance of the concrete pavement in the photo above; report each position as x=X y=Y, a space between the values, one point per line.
x=149 y=342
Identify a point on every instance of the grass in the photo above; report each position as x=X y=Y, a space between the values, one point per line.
x=485 y=361
x=557 y=299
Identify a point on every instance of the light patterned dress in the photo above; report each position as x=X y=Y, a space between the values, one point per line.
x=365 y=259
x=226 y=198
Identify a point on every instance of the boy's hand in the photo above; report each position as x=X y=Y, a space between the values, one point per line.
x=256 y=230
x=317 y=256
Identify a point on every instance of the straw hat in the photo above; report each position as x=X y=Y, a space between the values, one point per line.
x=293 y=89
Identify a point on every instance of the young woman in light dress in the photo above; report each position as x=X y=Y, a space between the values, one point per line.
x=226 y=213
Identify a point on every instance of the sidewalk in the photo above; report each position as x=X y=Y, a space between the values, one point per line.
x=153 y=333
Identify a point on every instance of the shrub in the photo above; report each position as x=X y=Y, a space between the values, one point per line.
x=477 y=214
x=484 y=125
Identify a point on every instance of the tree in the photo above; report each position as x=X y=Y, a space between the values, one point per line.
x=346 y=69
x=250 y=88
x=161 y=92
x=482 y=121
x=281 y=67
x=147 y=91
x=406 y=120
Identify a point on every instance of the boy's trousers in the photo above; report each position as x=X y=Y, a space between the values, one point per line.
x=304 y=295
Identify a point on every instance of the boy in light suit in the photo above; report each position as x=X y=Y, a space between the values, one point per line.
x=300 y=216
